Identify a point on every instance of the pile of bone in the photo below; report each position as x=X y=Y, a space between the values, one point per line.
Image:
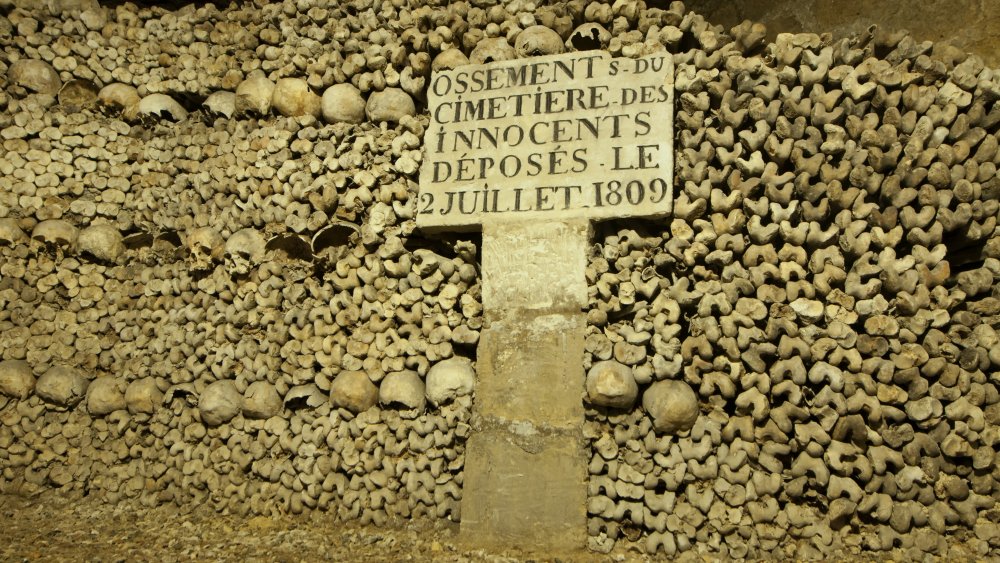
x=242 y=446
x=342 y=63
x=291 y=178
x=142 y=367
x=272 y=260
x=825 y=299
x=804 y=358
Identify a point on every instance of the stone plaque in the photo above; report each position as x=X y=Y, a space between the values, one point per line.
x=533 y=150
x=578 y=135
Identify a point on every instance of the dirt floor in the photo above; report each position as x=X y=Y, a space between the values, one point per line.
x=52 y=527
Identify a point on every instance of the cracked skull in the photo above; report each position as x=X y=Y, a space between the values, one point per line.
x=56 y=233
x=244 y=251
x=205 y=248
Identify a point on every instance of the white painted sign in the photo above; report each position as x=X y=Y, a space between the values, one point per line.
x=578 y=135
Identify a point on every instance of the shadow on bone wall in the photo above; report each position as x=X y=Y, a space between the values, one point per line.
x=968 y=24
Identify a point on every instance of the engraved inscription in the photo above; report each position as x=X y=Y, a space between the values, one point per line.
x=578 y=135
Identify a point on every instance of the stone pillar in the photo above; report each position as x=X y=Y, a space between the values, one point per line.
x=526 y=466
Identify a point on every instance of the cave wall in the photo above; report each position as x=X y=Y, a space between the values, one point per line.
x=969 y=25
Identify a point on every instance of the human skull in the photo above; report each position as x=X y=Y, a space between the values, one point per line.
x=449 y=59
x=261 y=400
x=161 y=106
x=221 y=103
x=343 y=103
x=538 y=40
x=449 y=379
x=253 y=95
x=611 y=384
x=143 y=396
x=492 y=50
x=672 y=404
x=588 y=37
x=288 y=247
x=106 y=395
x=34 y=76
x=220 y=402
x=389 y=105
x=292 y=97
x=118 y=98
x=62 y=385
x=404 y=389
x=103 y=242
x=205 y=248
x=354 y=391
x=56 y=233
x=244 y=251
x=16 y=379
x=303 y=396
x=11 y=233
x=77 y=93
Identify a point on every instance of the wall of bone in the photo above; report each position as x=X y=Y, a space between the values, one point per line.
x=211 y=290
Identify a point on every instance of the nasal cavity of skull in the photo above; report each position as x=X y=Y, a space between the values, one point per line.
x=581 y=41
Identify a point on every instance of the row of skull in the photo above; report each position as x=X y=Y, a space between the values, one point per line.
x=206 y=247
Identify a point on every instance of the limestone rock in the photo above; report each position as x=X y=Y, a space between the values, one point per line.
x=352 y=390
x=391 y=105
x=219 y=403
x=62 y=385
x=143 y=396
x=343 y=103
x=292 y=97
x=261 y=400
x=16 y=379
x=35 y=75
x=449 y=379
x=672 y=404
x=105 y=395
x=611 y=384
x=402 y=388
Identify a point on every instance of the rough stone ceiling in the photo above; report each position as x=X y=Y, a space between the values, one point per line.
x=972 y=25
